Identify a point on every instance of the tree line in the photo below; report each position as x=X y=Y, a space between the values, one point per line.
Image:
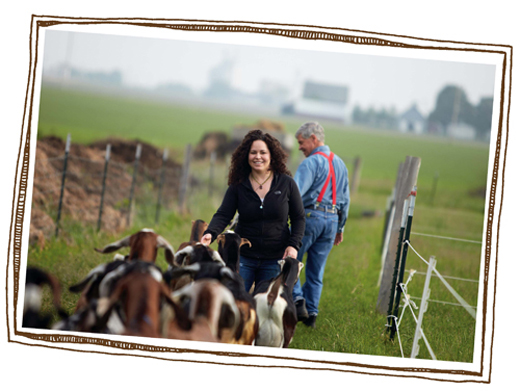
x=452 y=106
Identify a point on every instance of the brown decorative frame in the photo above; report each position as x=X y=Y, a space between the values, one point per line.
x=300 y=32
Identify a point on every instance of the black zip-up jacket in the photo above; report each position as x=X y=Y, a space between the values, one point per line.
x=264 y=224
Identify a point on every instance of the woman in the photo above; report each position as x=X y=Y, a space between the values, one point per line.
x=266 y=197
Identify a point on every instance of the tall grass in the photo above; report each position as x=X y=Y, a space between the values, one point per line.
x=348 y=321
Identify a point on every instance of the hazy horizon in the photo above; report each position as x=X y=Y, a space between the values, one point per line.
x=373 y=80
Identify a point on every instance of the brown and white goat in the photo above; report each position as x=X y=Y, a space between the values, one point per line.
x=143 y=246
x=275 y=307
x=211 y=310
x=100 y=283
x=140 y=296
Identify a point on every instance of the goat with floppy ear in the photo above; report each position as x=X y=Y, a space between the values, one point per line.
x=275 y=307
x=143 y=246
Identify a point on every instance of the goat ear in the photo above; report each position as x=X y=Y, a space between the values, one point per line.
x=227 y=272
x=281 y=262
x=90 y=277
x=81 y=285
x=216 y=257
x=103 y=306
x=169 y=252
x=125 y=242
x=245 y=241
x=181 y=271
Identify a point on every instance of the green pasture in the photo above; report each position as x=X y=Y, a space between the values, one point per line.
x=348 y=321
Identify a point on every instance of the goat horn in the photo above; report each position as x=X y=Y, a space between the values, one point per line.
x=245 y=241
x=125 y=242
x=221 y=238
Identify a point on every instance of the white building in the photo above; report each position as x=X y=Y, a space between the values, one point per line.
x=323 y=101
x=461 y=131
x=412 y=121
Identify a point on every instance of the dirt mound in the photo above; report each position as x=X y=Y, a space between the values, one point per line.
x=264 y=124
x=84 y=179
x=217 y=142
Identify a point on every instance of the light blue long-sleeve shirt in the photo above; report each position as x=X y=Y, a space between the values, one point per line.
x=311 y=176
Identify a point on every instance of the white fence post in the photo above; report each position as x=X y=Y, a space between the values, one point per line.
x=423 y=307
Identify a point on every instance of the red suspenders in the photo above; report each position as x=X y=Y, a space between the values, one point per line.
x=331 y=174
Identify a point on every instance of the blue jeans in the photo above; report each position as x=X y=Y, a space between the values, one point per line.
x=254 y=270
x=320 y=232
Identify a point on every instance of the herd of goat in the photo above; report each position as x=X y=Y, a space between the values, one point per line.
x=200 y=297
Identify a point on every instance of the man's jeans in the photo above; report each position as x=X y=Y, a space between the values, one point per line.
x=253 y=270
x=320 y=232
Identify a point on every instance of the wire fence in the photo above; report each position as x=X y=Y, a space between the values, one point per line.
x=396 y=314
x=108 y=188
x=106 y=191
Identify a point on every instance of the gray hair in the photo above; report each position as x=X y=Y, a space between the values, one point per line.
x=309 y=128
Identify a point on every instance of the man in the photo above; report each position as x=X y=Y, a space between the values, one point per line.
x=322 y=179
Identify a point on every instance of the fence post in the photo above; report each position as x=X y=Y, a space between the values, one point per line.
x=402 y=265
x=132 y=187
x=406 y=181
x=396 y=267
x=185 y=173
x=423 y=307
x=356 y=175
x=103 y=186
x=212 y=160
x=63 y=176
x=161 y=183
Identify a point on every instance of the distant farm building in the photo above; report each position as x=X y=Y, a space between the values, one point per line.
x=461 y=131
x=412 y=121
x=321 y=101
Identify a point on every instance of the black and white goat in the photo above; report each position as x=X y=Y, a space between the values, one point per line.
x=35 y=280
x=190 y=255
x=229 y=244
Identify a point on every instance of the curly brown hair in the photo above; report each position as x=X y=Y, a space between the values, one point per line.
x=240 y=168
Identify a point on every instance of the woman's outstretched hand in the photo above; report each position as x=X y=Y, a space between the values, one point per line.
x=206 y=239
x=290 y=252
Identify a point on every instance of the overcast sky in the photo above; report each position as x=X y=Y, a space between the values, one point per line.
x=376 y=81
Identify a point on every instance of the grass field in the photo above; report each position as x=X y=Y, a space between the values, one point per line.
x=348 y=320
